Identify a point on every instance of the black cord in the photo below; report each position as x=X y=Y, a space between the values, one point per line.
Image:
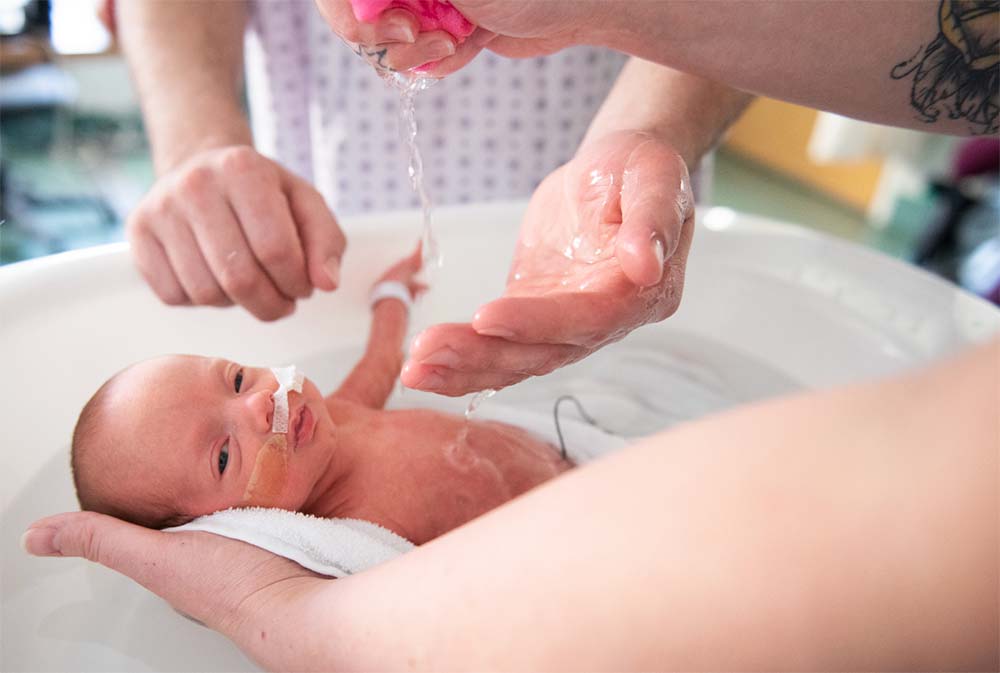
x=583 y=412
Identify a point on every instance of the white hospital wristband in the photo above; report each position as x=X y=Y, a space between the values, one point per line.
x=391 y=289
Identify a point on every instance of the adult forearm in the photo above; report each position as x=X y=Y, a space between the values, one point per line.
x=928 y=65
x=842 y=530
x=687 y=111
x=186 y=58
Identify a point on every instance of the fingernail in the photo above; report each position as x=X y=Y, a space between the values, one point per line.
x=444 y=357
x=658 y=250
x=396 y=30
x=495 y=331
x=440 y=49
x=39 y=541
x=332 y=268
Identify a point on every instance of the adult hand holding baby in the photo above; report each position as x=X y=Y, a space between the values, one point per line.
x=602 y=251
x=249 y=595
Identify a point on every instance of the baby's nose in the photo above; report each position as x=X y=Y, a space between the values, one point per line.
x=260 y=405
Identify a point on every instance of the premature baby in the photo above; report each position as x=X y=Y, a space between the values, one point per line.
x=176 y=437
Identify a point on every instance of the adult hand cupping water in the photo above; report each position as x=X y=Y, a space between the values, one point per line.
x=231 y=226
x=602 y=250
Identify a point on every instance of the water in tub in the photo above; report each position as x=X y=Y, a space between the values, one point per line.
x=649 y=382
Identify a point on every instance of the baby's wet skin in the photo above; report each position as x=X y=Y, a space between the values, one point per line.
x=422 y=473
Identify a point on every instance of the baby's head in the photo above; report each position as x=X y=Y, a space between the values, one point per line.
x=176 y=437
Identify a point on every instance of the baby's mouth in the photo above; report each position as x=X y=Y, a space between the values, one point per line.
x=302 y=427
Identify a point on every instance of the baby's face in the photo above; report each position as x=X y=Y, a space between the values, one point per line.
x=196 y=433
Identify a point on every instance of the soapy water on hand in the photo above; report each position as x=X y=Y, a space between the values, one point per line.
x=581 y=247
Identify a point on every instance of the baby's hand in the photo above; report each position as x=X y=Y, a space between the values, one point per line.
x=405 y=271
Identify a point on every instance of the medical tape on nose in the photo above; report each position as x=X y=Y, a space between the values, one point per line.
x=288 y=379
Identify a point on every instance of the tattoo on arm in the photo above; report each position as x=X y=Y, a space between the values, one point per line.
x=958 y=73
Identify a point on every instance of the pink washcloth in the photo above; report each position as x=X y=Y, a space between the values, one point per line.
x=432 y=14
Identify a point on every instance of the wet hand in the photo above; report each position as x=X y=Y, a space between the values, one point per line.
x=230 y=226
x=525 y=28
x=249 y=595
x=394 y=41
x=602 y=251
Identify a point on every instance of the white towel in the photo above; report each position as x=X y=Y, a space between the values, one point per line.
x=340 y=547
x=335 y=547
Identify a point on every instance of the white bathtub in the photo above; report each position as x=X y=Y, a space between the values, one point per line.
x=767 y=308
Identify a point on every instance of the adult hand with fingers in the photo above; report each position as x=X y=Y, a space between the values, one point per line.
x=645 y=520
x=251 y=596
x=223 y=224
x=230 y=226
x=401 y=36
x=388 y=35
x=602 y=251
x=775 y=49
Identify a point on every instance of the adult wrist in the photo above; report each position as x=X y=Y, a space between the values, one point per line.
x=176 y=151
x=177 y=135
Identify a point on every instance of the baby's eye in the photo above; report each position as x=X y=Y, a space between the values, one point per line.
x=239 y=380
x=224 y=456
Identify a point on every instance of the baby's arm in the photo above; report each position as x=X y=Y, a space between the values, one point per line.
x=371 y=381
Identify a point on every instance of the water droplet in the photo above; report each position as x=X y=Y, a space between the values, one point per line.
x=477 y=400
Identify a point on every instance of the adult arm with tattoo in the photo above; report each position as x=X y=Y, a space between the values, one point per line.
x=926 y=64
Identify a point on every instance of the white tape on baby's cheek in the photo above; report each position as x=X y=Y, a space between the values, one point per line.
x=289 y=378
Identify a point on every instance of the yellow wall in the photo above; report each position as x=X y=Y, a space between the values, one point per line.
x=776 y=134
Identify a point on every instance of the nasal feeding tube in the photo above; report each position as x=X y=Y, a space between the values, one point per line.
x=288 y=379
x=270 y=470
